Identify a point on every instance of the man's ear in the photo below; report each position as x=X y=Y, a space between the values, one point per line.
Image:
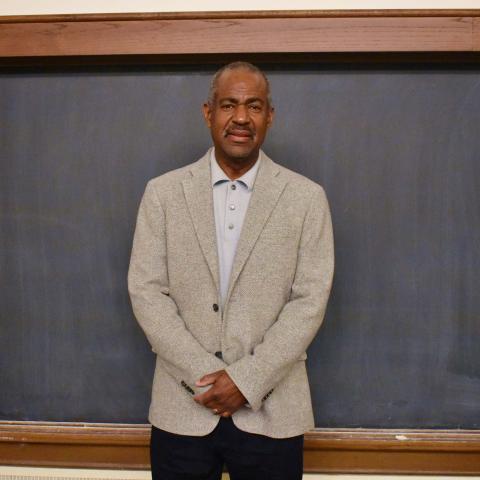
x=271 y=115
x=207 y=113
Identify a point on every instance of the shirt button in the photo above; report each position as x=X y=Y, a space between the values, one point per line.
x=232 y=207
x=233 y=186
x=215 y=307
x=230 y=226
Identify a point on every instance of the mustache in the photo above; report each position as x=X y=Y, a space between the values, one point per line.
x=232 y=130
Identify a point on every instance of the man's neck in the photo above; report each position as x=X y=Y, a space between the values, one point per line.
x=235 y=170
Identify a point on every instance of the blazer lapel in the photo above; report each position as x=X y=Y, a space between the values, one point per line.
x=266 y=192
x=198 y=194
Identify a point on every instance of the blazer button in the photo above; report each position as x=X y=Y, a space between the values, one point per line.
x=215 y=307
x=219 y=355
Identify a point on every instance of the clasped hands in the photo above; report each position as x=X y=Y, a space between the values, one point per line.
x=223 y=398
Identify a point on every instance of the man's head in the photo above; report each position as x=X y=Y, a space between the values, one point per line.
x=238 y=112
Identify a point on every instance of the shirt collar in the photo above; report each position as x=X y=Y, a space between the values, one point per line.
x=219 y=176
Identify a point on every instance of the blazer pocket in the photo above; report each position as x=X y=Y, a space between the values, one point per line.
x=279 y=234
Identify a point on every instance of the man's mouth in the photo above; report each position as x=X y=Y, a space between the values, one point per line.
x=238 y=135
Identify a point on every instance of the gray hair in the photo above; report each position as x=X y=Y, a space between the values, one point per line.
x=212 y=93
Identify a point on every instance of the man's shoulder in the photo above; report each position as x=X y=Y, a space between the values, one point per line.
x=172 y=176
x=301 y=184
x=173 y=179
x=168 y=179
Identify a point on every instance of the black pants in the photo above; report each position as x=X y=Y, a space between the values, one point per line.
x=247 y=456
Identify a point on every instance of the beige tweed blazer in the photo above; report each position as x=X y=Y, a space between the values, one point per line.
x=278 y=291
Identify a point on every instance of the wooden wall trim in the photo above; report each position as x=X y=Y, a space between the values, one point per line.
x=363 y=13
x=229 y=33
x=326 y=450
x=476 y=34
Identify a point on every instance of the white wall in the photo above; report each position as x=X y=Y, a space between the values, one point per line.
x=32 y=7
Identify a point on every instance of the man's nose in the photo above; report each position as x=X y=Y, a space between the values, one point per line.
x=240 y=115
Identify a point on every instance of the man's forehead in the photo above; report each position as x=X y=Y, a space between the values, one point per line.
x=242 y=81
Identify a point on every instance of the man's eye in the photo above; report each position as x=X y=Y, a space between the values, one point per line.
x=255 y=107
x=227 y=106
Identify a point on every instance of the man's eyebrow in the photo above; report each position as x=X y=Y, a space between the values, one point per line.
x=255 y=99
x=228 y=99
x=235 y=100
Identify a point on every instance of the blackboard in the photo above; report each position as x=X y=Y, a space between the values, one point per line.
x=397 y=151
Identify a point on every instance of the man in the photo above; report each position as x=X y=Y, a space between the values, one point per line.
x=230 y=273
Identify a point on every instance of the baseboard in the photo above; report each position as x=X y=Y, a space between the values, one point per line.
x=119 y=446
x=46 y=473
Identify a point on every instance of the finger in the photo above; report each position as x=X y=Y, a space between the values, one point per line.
x=200 y=399
x=207 y=379
x=211 y=404
x=209 y=397
x=208 y=400
x=221 y=412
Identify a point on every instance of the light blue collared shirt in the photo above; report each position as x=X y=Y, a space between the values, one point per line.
x=230 y=202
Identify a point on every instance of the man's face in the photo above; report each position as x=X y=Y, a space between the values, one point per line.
x=239 y=117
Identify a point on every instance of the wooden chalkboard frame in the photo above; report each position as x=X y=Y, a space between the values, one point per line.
x=358 y=37
x=295 y=36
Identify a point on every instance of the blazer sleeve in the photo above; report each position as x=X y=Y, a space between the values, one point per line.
x=300 y=318
x=182 y=355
